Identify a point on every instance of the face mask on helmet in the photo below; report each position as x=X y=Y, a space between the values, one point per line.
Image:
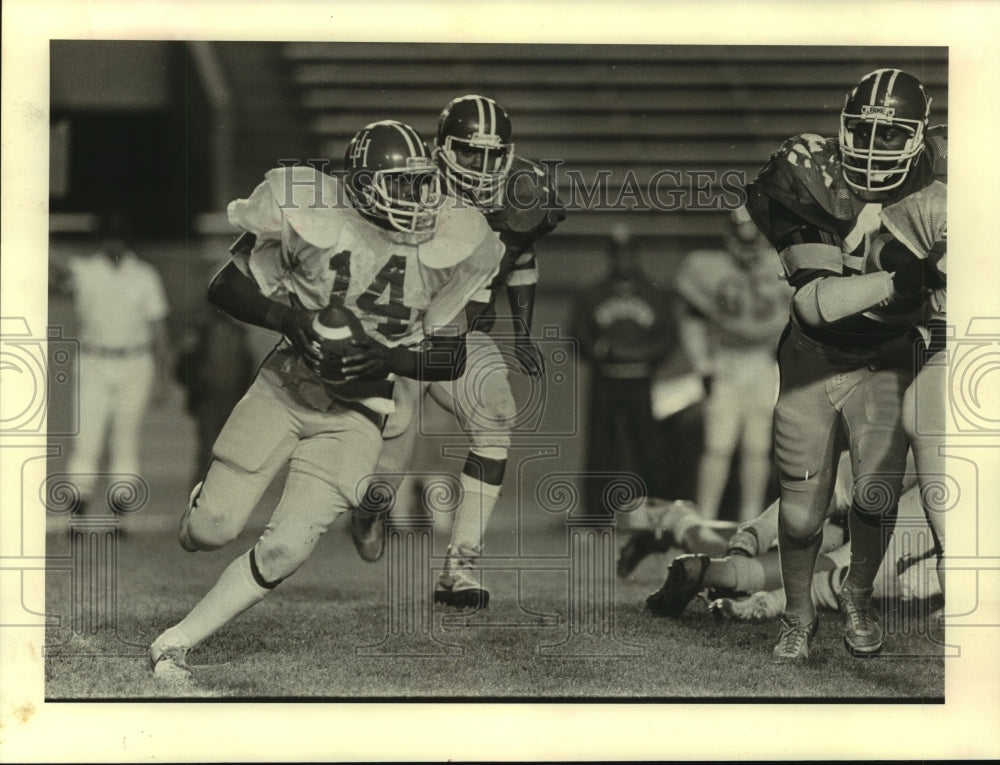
x=392 y=180
x=474 y=150
x=882 y=130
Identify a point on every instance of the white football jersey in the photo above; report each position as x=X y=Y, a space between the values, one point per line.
x=313 y=245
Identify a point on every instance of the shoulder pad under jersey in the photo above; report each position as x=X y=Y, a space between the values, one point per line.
x=310 y=201
x=805 y=175
x=461 y=230
x=530 y=203
x=936 y=142
x=919 y=220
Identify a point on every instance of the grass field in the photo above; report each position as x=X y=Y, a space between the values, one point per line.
x=304 y=640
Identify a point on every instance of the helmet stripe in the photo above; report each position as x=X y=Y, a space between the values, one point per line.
x=892 y=82
x=481 y=111
x=493 y=115
x=874 y=98
x=411 y=145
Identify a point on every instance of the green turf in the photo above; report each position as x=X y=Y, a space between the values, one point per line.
x=304 y=641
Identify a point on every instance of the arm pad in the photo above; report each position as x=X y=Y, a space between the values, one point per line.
x=831 y=298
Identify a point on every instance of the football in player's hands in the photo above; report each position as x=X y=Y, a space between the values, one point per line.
x=911 y=276
x=297 y=325
x=336 y=328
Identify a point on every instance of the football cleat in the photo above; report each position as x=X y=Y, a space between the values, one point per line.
x=368 y=533
x=759 y=607
x=744 y=541
x=863 y=635
x=684 y=578
x=458 y=585
x=794 y=639
x=169 y=663
x=639 y=545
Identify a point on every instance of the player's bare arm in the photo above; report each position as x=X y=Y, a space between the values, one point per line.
x=522 y=308
x=235 y=293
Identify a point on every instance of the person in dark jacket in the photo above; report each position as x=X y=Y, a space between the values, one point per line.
x=625 y=329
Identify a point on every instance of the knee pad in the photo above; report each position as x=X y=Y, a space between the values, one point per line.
x=799 y=531
x=211 y=525
x=802 y=509
x=877 y=494
x=803 y=504
x=272 y=563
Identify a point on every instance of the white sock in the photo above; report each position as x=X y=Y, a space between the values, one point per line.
x=473 y=514
x=234 y=592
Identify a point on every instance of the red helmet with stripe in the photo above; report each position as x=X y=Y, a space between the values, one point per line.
x=883 y=99
x=392 y=179
x=474 y=150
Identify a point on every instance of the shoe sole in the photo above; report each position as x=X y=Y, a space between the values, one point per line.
x=800 y=659
x=462 y=600
x=681 y=594
x=863 y=653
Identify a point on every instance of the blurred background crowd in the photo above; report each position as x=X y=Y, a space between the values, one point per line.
x=648 y=145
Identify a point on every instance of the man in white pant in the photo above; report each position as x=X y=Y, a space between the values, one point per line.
x=120 y=309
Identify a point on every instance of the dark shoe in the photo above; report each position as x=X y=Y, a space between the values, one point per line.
x=863 y=634
x=684 y=578
x=459 y=585
x=640 y=545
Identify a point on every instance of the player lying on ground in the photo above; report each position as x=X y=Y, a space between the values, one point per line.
x=474 y=151
x=397 y=263
x=751 y=563
x=660 y=525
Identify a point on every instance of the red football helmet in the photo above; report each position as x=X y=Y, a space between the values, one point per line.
x=886 y=97
x=392 y=179
x=474 y=150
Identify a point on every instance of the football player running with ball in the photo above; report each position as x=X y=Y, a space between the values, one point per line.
x=398 y=266
x=474 y=151
x=846 y=357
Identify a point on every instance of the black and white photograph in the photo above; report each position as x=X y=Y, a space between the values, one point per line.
x=494 y=386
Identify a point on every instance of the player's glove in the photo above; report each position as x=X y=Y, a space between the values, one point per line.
x=439 y=358
x=912 y=277
x=529 y=357
x=371 y=360
x=296 y=324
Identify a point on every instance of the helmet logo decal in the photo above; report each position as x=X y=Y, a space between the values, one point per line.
x=871 y=111
x=360 y=151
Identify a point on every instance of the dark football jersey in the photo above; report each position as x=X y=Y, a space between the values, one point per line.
x=531 y=210
x=800 y=196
